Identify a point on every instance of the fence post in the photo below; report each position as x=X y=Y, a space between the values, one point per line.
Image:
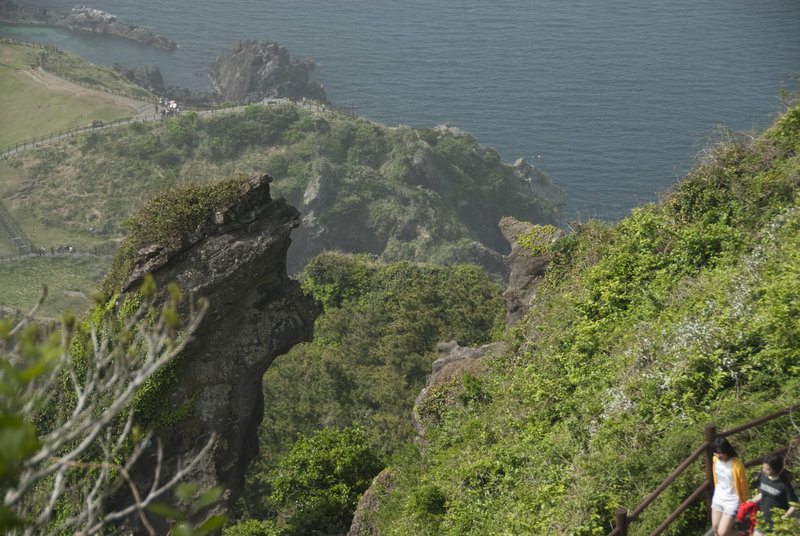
x=622 y=521
x=710 y=435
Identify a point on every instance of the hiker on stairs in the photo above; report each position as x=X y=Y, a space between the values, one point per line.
x=730 y=487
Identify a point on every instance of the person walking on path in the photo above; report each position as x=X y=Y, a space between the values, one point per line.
x=730 y=487
x=775 y=491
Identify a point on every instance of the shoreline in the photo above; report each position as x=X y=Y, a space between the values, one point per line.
x=82 y=18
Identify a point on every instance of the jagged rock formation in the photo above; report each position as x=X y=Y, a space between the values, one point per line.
x=539 y=183
x=85 y=19
x=256 y=313
x=254 y=70
x=363 y=524
x=148 y=77
x=526 y=269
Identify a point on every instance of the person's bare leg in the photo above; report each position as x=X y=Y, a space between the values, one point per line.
x=715 y=517
x=725 y=527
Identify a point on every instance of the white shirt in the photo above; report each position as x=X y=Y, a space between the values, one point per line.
x=725 y=491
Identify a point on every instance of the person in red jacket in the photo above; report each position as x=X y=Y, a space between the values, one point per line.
x=730 y=487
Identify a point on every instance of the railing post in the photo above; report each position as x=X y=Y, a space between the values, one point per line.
x=710 y=435
x=622 y=521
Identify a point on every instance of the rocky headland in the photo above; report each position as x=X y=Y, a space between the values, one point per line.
x=250 y=71
x=82 y=18
x=237 y=260
x=254 y=70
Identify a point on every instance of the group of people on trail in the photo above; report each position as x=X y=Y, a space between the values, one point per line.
x=169 y=108
x=731 y=500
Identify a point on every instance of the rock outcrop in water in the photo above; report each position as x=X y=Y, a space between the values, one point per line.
x=238 y=262
x=255 y=70
x=82 y=18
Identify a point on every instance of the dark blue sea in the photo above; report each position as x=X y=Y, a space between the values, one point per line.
x=612 y=99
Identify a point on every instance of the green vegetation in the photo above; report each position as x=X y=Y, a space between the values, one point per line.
x=683 y=313
x=372 y=351
x=72 y=281
x=641 y=332
x=86 y=74
x=372 y=185
x=318 y=484
x=372 y=197
x=70 y=433
x=32 y=108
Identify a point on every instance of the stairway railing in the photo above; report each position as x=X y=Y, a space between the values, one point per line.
x=623 y=518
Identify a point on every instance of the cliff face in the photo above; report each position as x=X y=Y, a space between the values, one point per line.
x=255 y=70
x=256 y=313
x=526 y=270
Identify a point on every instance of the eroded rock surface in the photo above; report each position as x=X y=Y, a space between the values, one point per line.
x=526 y=269
x=238 y=262
x=254 y=70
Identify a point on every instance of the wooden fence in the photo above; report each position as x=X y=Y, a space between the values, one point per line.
x=623 y=518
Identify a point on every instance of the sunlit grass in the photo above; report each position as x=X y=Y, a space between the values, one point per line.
x=71 y=282
x=31 y=109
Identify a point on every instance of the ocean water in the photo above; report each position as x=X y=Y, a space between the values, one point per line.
x=612 y=99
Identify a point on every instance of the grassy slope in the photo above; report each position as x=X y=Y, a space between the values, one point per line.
x=684 y=313
x=31 y=109
x=81 y=190
x=70 y=280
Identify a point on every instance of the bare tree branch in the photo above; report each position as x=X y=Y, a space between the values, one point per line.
x=121 y=357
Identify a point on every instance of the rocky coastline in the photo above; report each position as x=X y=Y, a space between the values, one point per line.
x=250 y=71
x=82 y=18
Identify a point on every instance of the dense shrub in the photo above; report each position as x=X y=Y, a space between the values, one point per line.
x=318 y=484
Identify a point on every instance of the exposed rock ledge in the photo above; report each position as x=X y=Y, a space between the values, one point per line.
x=82 y=18
x=238 y=262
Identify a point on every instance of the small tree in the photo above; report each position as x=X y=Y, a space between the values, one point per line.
x=67 y=422
x=318 y=485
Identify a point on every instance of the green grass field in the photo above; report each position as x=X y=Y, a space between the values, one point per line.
x=32 y=108
x=71 y=282
x=35 y=105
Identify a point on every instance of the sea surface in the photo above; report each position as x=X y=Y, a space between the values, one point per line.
x=612 y=99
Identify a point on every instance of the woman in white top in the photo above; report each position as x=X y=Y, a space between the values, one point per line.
x=730 y=487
